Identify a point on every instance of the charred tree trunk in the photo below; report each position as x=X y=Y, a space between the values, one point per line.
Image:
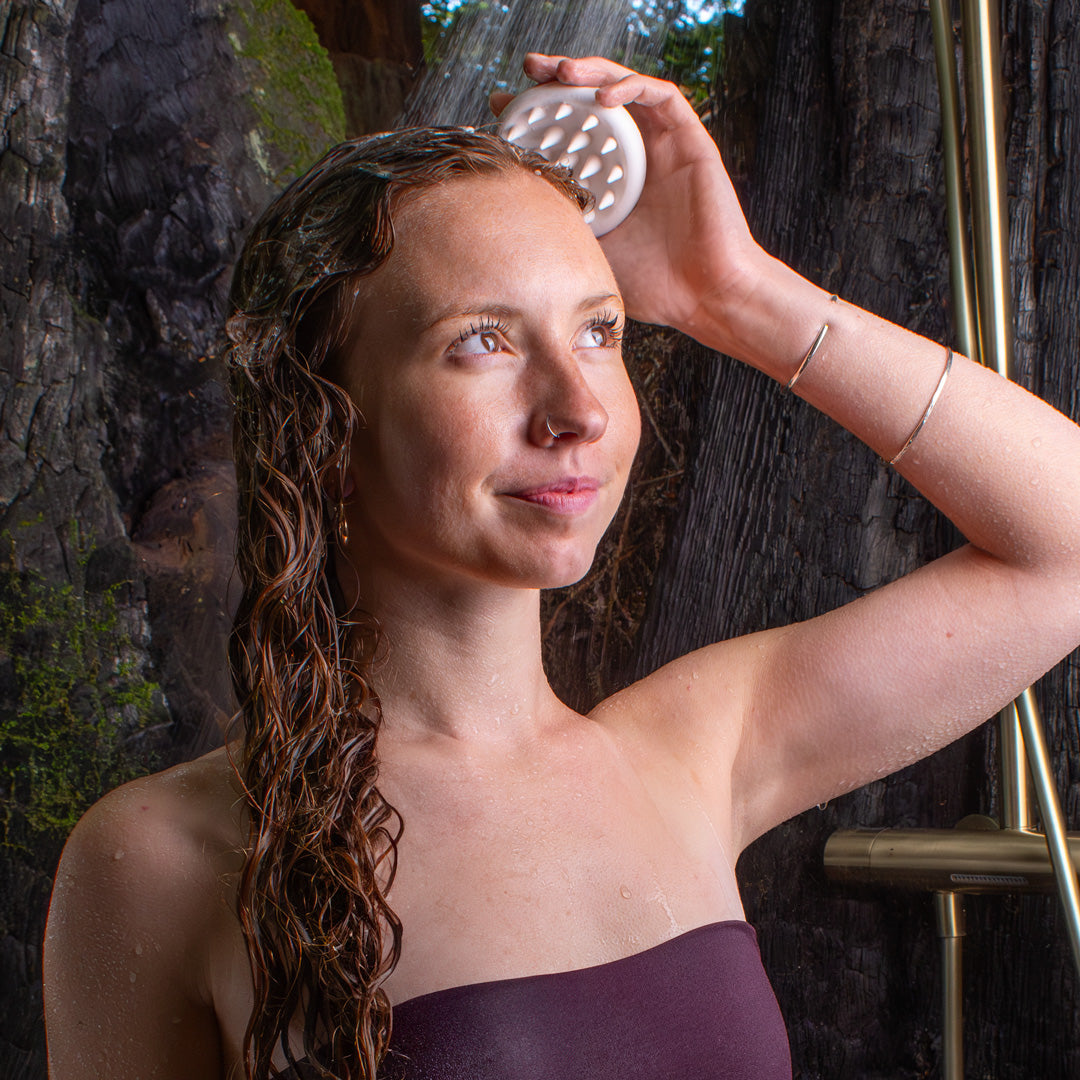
x=137 y=146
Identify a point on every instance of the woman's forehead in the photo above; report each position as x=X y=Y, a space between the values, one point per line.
x=508 y=202
x=505 y=231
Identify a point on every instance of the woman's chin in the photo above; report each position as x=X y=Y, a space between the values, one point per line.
x=540 y=569
x=566 y=571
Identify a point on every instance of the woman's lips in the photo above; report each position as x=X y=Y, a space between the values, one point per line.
x=570 y=495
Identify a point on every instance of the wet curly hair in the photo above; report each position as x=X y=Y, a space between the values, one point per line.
x=322 y=845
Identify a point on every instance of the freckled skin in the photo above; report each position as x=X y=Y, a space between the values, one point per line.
x=452 y=426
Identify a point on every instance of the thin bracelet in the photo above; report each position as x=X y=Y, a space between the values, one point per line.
x=813 y=349
x=929 y=408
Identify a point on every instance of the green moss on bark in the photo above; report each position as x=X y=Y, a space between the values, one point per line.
x=75 y=705
x=295 y=94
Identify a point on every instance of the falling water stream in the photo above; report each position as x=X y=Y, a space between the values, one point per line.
x=485 y=50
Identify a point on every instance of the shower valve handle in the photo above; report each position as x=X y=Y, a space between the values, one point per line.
x=601 y=146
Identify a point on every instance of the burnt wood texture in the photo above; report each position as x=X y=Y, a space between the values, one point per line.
x=136 y=149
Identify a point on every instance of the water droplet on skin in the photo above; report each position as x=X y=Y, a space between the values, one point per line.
x=131 y=975
x=138 y=950
x=493 y=680
x=118 y=854
x=624 y=892
x=1037 y=441
x=694 y=675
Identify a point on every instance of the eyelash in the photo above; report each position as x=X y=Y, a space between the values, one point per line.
x=608 y=321
x=486 y=326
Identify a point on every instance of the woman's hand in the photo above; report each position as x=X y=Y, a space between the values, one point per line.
x=686 y=243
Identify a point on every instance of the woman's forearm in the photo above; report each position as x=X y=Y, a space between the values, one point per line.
x=1001 y=463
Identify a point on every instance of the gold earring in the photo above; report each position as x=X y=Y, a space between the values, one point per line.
x=342 y=525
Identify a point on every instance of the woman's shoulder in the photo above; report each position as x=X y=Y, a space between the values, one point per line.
x=701 y=691
x=142 y=882
x=681 y=725
x=167 y=824
x=156 y=851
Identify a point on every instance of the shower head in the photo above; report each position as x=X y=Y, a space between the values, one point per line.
x=601 y=146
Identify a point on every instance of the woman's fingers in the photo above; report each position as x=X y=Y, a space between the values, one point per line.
x=637 y=89
x=618 y=85
x=499 y=100
x=542 y=68
x=574 y=71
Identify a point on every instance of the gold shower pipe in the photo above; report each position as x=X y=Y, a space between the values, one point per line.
x=1022 y=736
x=975 y=857
x=961 y=279
x=978 y=856
x=1020 y=724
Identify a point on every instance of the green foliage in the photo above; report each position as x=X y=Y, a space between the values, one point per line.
x=691 y=56
x=678 y=40
x=73 y=702
x=296 y=94
x=443 y=19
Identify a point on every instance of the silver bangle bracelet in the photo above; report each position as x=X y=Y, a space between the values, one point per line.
x=812 y=351
x=929 y=409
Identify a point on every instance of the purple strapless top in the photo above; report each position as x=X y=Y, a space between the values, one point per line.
x=696 y=1007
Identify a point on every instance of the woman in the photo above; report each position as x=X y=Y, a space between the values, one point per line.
x=434 y=423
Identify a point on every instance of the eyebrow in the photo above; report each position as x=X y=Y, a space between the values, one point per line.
x=502 y=311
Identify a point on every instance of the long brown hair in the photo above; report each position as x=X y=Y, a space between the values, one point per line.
x=322 y=847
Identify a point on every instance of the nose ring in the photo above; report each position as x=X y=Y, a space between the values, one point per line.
x=552 y=432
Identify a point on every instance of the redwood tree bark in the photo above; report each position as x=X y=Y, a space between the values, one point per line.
x=376 y=51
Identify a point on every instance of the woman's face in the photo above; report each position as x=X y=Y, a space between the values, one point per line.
x=495 y=313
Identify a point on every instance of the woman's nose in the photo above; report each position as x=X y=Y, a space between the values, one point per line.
x=575 y=414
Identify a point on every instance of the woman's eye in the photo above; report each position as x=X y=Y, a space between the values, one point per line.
x=478 y=342
x=600 y=335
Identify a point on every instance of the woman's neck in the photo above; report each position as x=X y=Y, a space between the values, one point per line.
x=462 y=663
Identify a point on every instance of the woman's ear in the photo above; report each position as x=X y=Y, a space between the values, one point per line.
x=338 y=486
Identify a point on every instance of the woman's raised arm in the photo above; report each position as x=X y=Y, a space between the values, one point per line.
x=802 y=713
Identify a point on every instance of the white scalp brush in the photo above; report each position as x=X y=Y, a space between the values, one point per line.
x=601 y=146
